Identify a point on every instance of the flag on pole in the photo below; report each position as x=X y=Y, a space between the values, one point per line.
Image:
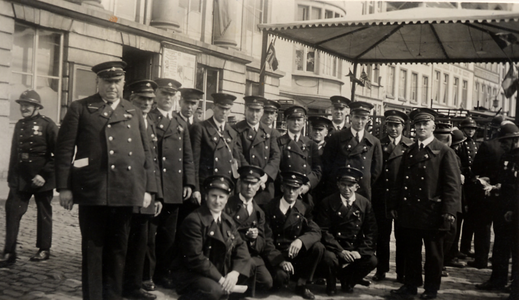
x=355 y=80
x=365 y=79
x=271 y=58
x=510 y=83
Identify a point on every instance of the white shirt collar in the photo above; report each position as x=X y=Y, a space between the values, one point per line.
x=354 y=132
x=113 y=104
x=284 y=205
x=426 y=142
x=217 y=216
x=396 y=140
x=348 y=201
x=167 y=114
x=245 y=200
x=340 y=125
x=292 y=136
x=188 y=120
x=255 y=127
x=218 y=124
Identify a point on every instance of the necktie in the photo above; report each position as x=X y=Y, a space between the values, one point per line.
x=295 y=138
x=288 y=211
x=421 y=146
x=338 y=127
x=391 y=146
x=357 y=137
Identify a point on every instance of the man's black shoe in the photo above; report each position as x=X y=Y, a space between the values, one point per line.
x=139 y=294
x=304 y=292
x=364 y=282
x=471 y=254
x=461 y=255
x=489 y=286
x=379 y=276
x=7 y=260
x=405 y=290
x=454 y=263
x=429 y=295
x=41 y=255
x=400 y=278
x=476 y=265
x=166 y=283
x=331 y=291
x=148 y=285
x=346 y=287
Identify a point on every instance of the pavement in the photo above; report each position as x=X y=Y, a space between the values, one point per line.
x=60 y=276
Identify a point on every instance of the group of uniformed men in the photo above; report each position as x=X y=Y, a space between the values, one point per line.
x=206 y=207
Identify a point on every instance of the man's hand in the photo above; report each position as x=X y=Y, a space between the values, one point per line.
x=38 y=181
x=294 y=248
x=394 y=214
x=462 y=179
x=158 y=208
x=347 y=256
x=66 y=199
x=263 y=181
x=252 y=233
x=147 y=200
x=197 y=198
x=187 y=192
x=508 y=216
x=356 y=254
x=304 y=189
x=449 y=218
x=229 y=281
x=287 y=266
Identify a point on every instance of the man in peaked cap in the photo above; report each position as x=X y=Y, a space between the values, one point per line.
x=294 y=234
x=103 y=145
x=216 y=146
x=214 y=255
x=141 y=241
x=188 y=104
x=31 y=172
x=259 y=146
x=270 y=116
x=321 y=127
x=467 y=152
x=349 y=231
x=425 y=204
x=299 y=153
x=355 y=147
x=250 y=220
x=339 y=112
x=178 y=179
x=394 y=144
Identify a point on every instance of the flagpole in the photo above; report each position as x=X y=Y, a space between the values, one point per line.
x=262 y=63
x=353 y=84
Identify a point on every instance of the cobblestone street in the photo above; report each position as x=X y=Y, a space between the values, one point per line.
x=60 y=276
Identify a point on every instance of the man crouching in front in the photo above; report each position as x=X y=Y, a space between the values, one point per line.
x=214 y=256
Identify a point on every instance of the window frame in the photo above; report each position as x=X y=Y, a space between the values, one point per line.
x=445 y=84
x=402 y=85
x=390 y=91
x=414 y=87
x=207 y=97
x=425 y=90
x=464 y=93
x=455 y=92
x=436 y=87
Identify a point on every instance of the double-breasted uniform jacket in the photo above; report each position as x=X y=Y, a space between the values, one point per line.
x=175 y=155
x=211 y=252
x=510 y=185
x=262 y=246
x=152 y=135
x=486 y=161
x=429 y=186
x=467 y=152
x=113 y=164
x=351 y=229
x=342 y=150
x=213 y=155
x=260 y=149
x=32 y=153
x=297 y=224
x=392 y=156
x=301 y=156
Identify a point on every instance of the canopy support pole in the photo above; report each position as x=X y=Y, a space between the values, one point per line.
x=353 y=83
x=264 y=45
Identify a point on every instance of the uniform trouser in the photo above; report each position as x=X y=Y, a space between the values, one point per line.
x=104 y=241
x=451 y=240
x=400 y=251
x=469 y=224
x=150 y=259
x=384 y=226
x=514 y=293
x=305 y=264
x=482 y=228
x=16 y=206
x=259 y=271
x=137 y=249
x=503 y=239
x=348 y=273
x=433 y=242
x=165 y=225
x=198 y=287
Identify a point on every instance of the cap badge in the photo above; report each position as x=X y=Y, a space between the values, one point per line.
x=112 y=69
x=148 y=84
x=170 y=85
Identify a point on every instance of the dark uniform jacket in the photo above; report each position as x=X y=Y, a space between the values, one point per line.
x=296 y=225
x=209 y=252
x=486 y=162
x=467 y=152
x=152 y=135
x=175 y=156
x=260 y=149
x=510 y=184
x=301 y=156
x=341 y=151
x=262 y=246
x=113 y=164
x=353 y=229
x=392 y=156
x=429 y=185
x=32 y=153
x=212 y=155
